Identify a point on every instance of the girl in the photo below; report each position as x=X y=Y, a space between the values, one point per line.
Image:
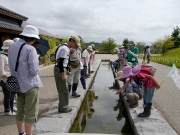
x=149 y=85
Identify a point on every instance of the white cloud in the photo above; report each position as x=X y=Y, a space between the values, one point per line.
x=96 y=20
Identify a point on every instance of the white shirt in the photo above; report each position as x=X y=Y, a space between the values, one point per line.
x=86 y=55
x=4 y=67
x=63 y=52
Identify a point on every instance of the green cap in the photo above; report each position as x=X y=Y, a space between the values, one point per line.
x=131 y=43
x=77 y=40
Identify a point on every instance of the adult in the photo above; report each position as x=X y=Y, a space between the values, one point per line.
x=121 y=56
x=61 y=69
x=8 y=100
x=36 y=46
x=148 y=53
x=85 y=59
x=132 y=53
x=16 y=39
x=73 y=78
x=28 y=78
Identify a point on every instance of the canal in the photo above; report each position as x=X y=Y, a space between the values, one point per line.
x=102 y=111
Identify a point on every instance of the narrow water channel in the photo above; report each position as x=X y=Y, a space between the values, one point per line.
x=102 y=111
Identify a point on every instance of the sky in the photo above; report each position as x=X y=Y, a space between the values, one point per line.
x=97 y=20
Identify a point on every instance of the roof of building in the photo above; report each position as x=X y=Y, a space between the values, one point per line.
x=10 y=26
x=12 y=14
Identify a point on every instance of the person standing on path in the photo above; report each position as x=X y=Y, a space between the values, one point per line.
x=132 y=53
x=28 y=78
x=148 y=54
x=73 y=78
x=61 y=69
x=4 y=74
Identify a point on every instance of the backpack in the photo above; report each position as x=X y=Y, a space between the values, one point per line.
x=53 y=56
x=145 y=69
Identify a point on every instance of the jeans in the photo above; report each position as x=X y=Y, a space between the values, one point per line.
x=148 y=58
x=148 y=94
x=82 y=78
x=12 y=100
x=7 y=95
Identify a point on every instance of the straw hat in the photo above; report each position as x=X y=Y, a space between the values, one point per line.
x=6 y=44
x=118 y=75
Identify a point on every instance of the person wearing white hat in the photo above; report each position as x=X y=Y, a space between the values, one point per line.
x=4 y=74
x=16 y=39
x=28 y=78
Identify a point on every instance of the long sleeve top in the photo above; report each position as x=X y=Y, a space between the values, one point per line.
x=4 y=67
x=27 y=73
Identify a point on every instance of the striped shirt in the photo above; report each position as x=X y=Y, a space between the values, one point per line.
x=27 y=73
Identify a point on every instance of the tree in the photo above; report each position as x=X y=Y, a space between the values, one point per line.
x=141 y=46
x=163 y=45
x=176 y=37
x=125 y=43
x=108 y=46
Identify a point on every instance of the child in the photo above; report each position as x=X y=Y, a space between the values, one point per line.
x=132 y=92
x=149 y=83
x=115 y=65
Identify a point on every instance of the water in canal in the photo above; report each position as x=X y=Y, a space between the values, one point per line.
x=102 y=111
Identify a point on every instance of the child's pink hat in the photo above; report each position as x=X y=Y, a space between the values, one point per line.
x=126 y=72
x=136 y=70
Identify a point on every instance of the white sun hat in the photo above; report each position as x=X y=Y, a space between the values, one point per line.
x=6 y=44
x=16 y=39
x=30 y=31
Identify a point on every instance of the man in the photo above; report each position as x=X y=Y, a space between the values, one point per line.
x=85 y=59
x=73 y=78
x=28 y=78
x=61 y=70
x=132 y=53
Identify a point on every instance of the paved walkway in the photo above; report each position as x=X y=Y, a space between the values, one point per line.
x=166 y=100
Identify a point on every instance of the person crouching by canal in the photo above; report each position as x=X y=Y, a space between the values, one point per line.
x=130 y=89
x=75 y=58
x=60 y=73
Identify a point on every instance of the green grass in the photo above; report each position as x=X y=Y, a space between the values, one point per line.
x=169 y=58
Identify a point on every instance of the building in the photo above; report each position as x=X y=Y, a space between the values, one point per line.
x=12 y=23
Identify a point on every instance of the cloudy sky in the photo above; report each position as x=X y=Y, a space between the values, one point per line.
x=96 y=20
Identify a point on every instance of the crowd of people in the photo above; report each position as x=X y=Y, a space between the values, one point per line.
x=72 y=64
x=139 y=81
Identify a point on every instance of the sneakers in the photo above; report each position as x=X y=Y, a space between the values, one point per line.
x=15 y=101
x=14 y=109
x=9 y=113
x=68 y=109
x=75 y=95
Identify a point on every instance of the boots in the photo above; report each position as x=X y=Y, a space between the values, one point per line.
x=147 y=111
x=69 y=87
x=74 y=88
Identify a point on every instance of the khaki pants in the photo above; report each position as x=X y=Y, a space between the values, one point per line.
x=74 y=76
x=28 y=105
x=132 y=98
x=62 y=88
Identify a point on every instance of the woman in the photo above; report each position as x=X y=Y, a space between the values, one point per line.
x=4 y=74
